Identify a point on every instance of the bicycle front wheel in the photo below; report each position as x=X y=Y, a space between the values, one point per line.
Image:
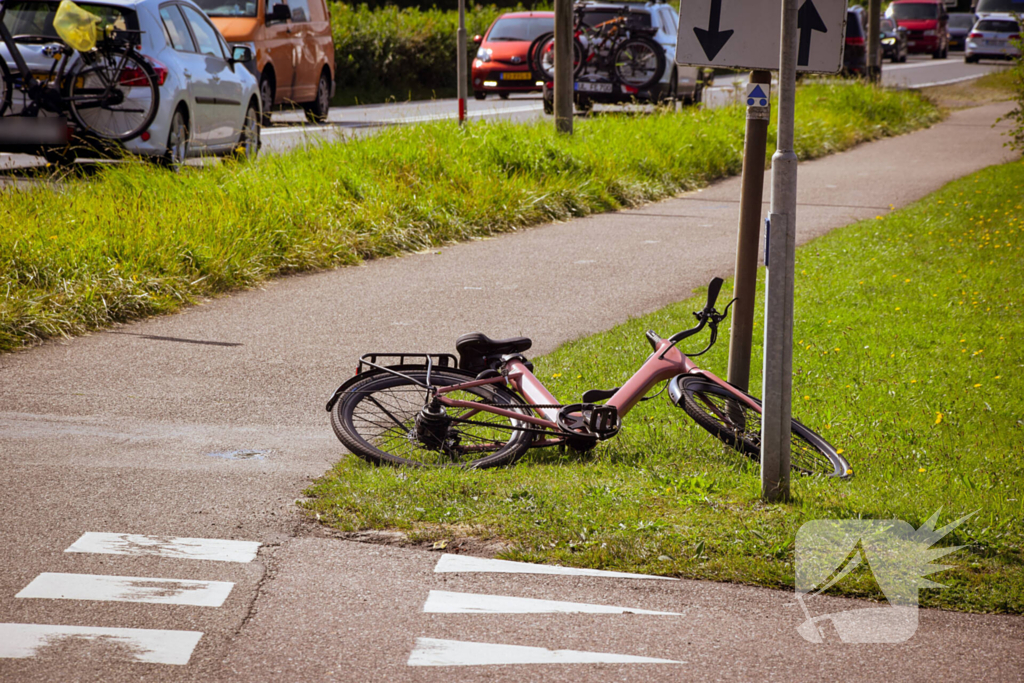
x=113 y=94
x=376 y=419
x=639 y=63
x=738 y=425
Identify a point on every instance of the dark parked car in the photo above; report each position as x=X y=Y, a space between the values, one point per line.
x=855 y=56
x=894 y=41
x=959 y=26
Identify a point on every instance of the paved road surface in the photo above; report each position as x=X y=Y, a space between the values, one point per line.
x=289 y=130
x=209 y=424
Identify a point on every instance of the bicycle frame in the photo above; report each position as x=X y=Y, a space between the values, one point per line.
x=12 y=47
x=666 y=362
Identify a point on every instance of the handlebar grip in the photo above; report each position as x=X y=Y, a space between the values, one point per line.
x=713 y=290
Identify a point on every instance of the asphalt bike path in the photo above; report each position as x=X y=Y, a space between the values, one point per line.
x=137 y=456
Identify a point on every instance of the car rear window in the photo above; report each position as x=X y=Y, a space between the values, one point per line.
x=915 y=11
x=997 y=26
x=36 y=18
x=853 y=25
x=887 y=25
x=595 y=17
x=229 y=8
x=520 y=28
x=961 y=20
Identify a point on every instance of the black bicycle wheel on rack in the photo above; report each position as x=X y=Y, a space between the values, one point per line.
x=112 y=93
x=376 y=419
x=542 y=56
x=5 y=87
x=639 y=63
x=738 y=426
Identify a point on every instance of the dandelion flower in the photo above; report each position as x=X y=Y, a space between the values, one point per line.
x=921 y=469
x=938 y=418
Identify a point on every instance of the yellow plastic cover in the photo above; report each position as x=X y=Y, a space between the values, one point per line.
x=76 y=27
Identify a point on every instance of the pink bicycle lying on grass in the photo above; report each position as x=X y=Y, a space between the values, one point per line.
x=487 y=408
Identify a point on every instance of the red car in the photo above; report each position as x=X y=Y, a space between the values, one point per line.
x=501 y=65
x=927 y=25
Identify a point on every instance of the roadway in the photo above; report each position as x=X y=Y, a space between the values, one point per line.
x=289 y=129
x=150 y=473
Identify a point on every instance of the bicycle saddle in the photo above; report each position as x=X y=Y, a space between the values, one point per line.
x=477 y=350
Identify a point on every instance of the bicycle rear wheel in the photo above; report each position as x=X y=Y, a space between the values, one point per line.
x=737 y=425
x=113 y=94
x=639 y=63
x=5 y=87
x=543 y=57
x=376 y=419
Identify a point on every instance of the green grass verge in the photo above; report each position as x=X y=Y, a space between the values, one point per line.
x=908 y=357
x=137 y=240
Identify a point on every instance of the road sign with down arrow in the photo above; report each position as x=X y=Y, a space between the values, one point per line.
x=744 y=34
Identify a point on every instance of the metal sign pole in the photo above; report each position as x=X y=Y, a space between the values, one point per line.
x=874 y=41
x=780 y=253
x=563 y=84
x=463 y=84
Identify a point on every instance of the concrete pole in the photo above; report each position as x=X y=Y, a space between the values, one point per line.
x=747 y=242
x=781 y=254
x=874 y=41
x=461 y=63
x=564 y=78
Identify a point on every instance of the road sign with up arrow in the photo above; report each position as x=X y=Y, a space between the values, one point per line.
x=744 y=34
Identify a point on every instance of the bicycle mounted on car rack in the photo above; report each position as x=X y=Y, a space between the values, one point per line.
x=486 y=407
x=110 y=91
x=620 y=50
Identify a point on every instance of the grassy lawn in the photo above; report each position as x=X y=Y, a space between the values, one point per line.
x=136 y=240
x=908 y=357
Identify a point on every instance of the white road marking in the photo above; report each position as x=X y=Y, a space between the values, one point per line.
x=166 y=546
x=469 y=114
x=949 y=82
x=446 y=602
x=468 y=563
x=18 y=641
x=434 y=652
x=127 y=589
x=917 y=65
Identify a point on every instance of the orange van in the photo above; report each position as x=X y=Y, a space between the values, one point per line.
x=294 y=48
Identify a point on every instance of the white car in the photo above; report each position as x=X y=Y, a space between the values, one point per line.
x=993 y=38
x=209 y=101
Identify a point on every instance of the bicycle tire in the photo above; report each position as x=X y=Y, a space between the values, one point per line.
x=113 y=93
x=375 y=419
x=715 y=408
x=633 y=65
x=543 y=57
x=5 y=87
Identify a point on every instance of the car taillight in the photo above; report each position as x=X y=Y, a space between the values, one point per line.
x=974 y=34
x=852 y=40
x=1014 y=37
x=134 y=77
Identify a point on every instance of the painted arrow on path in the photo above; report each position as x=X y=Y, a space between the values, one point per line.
x=712 y=40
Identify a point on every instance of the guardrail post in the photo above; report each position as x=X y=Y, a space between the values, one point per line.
x=462 y=86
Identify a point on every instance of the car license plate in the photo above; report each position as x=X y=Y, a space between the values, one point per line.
x=33 y=130
x=993 y=43
x=516 y=76
x=585 y=86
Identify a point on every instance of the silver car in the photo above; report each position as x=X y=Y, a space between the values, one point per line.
x=993 y=38
x=209 y=102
